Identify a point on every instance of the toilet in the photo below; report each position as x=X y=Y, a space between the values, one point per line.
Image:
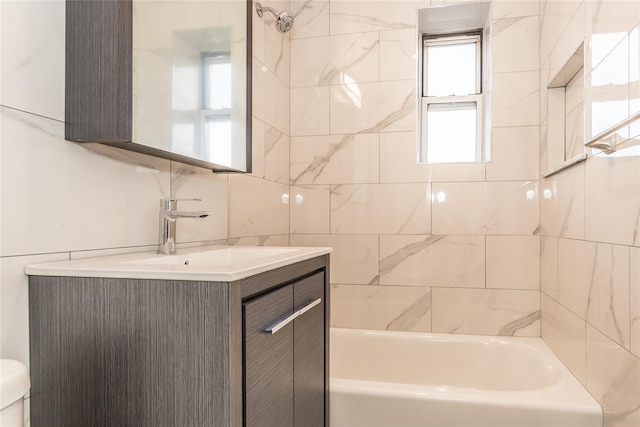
x=14 y=384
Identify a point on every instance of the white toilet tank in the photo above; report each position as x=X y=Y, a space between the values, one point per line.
x=14 y=384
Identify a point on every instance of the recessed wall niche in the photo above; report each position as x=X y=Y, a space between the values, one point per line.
x=565 y=110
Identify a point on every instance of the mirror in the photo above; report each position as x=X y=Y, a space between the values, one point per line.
x=190 y=80
x=169 y=78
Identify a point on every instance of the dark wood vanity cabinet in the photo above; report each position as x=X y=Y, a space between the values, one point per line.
x=142 y=352
x=284 y=370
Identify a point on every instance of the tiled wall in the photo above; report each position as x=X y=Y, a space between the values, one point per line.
x=590 y=228
x=442 y=248
x=259 y=202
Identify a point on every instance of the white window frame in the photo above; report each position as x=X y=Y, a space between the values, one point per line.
x=477 y=98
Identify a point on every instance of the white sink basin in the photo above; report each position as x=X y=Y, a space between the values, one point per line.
x=213 y=263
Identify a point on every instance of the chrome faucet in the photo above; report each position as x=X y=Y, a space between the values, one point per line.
x=167 y=223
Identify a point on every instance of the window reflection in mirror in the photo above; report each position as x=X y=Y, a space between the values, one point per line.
x=191 y=79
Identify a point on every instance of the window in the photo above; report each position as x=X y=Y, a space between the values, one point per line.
x=452 y=98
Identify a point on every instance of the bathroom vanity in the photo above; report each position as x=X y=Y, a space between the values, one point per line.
x=162 y=341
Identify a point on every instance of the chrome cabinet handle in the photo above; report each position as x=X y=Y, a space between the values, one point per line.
x=297 y=313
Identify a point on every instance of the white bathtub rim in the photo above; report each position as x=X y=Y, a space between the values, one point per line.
x=415 y=392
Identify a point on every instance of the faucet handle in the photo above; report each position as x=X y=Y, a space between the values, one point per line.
x=170 y=204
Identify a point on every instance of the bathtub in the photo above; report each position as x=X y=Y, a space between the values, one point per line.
x=381 y=378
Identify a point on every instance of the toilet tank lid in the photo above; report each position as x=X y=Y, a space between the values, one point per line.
x=14 y=381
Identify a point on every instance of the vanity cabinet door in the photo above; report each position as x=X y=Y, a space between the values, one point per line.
x=268 y=360
x=308 y=354
x=284 y=367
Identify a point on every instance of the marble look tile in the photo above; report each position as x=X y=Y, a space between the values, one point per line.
x=312 y=18
x=574 y=133
x=613 y=378
x=189 y=182
x=513 y=262
x=354 y=259
x=608 y=303
x=565 y=334
x=257 y=207
x=514 y=154
x=398 y=54
x=574 y=91
x=257 y=147
x=606 y=92
x=608 y=21
x=456 y=172
x=543 y=81
x=394 y=308
x=32 y=66
x=555 y=17
x=381 y=209
x=41 y=170
x=276 y=155
x=14 y=304
x=514 y=9
x=399 y=158
x=274 y=240
x=348 y=16
x=576 y=260
x=310 y=209
x=562 y=203
x=257 y=37
x=335 y=159
x=549 y=266
x=514 y=44
x=555 y=137
x=373 y=107
x=486 y=312
x=573 y=34
x=544 y=147
x=276 y=50
x=515 y=99
x=498 y=208
x=345 y=59
x=634 y=306
x=613 y=199
x=270 y=98
x=309 y=111
x=244 y=241
x=447 y=261
x=594 y=284
x=634 y=80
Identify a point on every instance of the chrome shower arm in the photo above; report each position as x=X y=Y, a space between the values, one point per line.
x=260 y=10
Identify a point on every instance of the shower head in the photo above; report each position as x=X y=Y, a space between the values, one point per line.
x=284 y=20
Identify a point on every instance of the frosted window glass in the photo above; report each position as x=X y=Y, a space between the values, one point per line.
x=451 y=69
x=451 y=132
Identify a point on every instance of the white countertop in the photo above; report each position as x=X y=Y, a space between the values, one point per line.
x=210 y=263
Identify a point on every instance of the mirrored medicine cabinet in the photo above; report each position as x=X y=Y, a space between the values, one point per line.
x=170 y=78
